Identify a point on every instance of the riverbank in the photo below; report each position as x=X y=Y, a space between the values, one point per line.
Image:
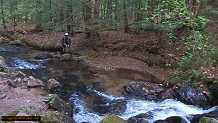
x=116 y=50
x=140 y=57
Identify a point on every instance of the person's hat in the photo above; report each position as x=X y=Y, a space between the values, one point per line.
x=66 y=33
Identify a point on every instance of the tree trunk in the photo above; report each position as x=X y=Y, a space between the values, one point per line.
x=125 y=18
x=13 y=5
x=109 y=9
x=115 y=9
x=90 y=33
x=97 y=6
x=88 y=11
x=3 y=16
x=137 y=14
x=70 y=18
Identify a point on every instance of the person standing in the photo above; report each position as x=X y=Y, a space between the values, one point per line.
x=66 y=42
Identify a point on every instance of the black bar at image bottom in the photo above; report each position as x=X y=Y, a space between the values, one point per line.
x=20 y=118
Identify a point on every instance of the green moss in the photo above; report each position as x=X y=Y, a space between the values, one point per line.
x=180 y=78
x=40 y=46
x=112 y=119
x=208 y=120
x=14 y=113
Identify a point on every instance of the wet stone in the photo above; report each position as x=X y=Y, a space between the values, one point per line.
x=145 y=90
x=44 y=56
x=173 y=119
x=141 y=118
x=192 y=96
x=167 y=94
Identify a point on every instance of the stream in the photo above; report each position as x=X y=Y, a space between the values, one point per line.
x=79 y=86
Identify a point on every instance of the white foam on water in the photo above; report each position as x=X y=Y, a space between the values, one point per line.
x=158 y=110
x=82 y=113
x=110 y=97
x=22 y=64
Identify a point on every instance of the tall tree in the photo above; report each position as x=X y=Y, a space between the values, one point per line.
x=3 y=15
x=125 y=18
x=96 y=10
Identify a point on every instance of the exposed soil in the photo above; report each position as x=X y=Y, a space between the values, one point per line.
x=16 y=98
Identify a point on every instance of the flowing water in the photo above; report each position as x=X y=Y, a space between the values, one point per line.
x=79 y=86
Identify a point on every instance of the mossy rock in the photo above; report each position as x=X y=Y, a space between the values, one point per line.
x=55 y=117
x=2 y=62
x=56 y=103
x=3 y=74
x=112 y=119
x=208 y=120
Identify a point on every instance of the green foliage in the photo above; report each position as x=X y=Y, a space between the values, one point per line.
x=174 y=13
x=197 y=53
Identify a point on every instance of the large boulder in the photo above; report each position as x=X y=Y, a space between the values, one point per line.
x=173 y=119
x=188 y=95
x=52 y=84
x=212 y=114
x=112 y=119
x=214 y=89
x=145 y=90
x=208 y=120
x=166 y=94
x=56 y=103
x=55 y=117
x=140 y=118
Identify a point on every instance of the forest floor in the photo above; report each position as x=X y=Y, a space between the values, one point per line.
x=145 y=52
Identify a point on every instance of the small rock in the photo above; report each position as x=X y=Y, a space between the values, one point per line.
x=2 y=96
x=201 y=85
x=66 y=57
x=52 y=84
x=16 y=42
x=3 y=74
x=2 y=62
x=11 y=83
x=33 y=82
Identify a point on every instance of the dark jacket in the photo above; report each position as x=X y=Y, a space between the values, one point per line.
x=66 y=41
